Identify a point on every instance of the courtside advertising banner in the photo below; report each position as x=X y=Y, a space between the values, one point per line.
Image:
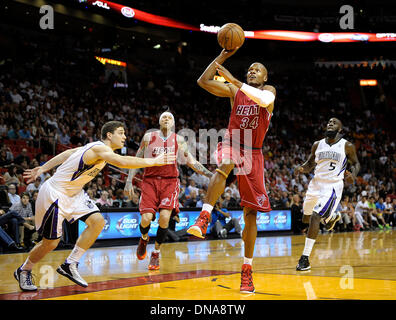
x=125 y=224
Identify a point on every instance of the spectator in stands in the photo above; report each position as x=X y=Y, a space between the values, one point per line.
x=27 y=228
x=23 y=156
x=380 y=210
x=120 y=199
x=34 y=186
x=12 y=195
x=7 y=243
x=4 y=161
x=134 y=202
x=11 y=176
x=24 y=133
x=33 y=200
x=104 y=200
x=298 y=226
x=12 y=132
x=192 y=199
x=362 y=212
x=10 y=221
x=388 y=212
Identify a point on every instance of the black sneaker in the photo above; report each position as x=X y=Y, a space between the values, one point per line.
x=303 y=264
x=331 y=223
x=69 y=270
x=25 y=279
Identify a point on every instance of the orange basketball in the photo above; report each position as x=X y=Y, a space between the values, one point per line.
x=230 y=36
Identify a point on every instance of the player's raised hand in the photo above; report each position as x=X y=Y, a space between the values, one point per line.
x=32 y=174
x=164 y=159
x=298 y=170
x=349 y=177
x=228 y=53
x=225 y=73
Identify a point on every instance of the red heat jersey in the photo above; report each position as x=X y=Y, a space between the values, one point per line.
x=158 y=145
x=247 y=120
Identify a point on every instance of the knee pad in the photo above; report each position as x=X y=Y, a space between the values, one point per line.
x=161 y=234
x=144 y=230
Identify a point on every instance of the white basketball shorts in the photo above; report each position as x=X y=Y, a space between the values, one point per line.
x=53 y=207
x=322 y=197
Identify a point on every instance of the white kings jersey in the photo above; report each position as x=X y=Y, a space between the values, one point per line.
x=73 y=174
x=331 y=161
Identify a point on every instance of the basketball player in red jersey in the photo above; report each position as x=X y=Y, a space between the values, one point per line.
x=160 y=188
x=252 y=105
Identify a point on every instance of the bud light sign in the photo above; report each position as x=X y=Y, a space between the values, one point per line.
x=128 y=224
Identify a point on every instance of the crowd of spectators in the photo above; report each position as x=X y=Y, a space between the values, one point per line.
x=55 y=95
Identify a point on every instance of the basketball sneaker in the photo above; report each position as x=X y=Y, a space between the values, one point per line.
x=199 y=228
x=303 y=264
x=246 y=279
x=331 y=223
x=154 y=261
x=141 y=249
x=25 y=279
x=70 y=271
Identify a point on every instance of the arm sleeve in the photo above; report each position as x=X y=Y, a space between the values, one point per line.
x=261 y=97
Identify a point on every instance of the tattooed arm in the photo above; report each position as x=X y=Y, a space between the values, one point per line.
x=191 y=161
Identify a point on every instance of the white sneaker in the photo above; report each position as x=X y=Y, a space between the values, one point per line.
x=25 y=279
x=223 y=233
x=70 y=271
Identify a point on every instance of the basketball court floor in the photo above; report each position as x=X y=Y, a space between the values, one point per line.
x=354 y=265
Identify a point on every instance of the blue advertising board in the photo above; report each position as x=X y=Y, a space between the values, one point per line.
x=125 y=224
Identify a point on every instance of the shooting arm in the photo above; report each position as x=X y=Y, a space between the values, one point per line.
x=215 y=87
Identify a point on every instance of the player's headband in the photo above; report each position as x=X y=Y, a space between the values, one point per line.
x=166 y=113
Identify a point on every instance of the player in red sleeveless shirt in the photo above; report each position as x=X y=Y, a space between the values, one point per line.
x=160 y=188
x=252 y=105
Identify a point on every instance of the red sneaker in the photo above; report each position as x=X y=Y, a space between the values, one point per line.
x=246 y=279
x=201 y=224
x=154 y=261
x=141 y=249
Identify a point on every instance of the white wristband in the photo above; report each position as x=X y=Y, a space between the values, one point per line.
x=261 y=97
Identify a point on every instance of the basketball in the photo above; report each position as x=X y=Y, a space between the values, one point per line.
x=230 y=36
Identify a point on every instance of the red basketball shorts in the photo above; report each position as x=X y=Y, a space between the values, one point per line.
x=249 y=170
x=159 y=193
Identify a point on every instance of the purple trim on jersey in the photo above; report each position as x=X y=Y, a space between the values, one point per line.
x=329 y=205
x=344 y=165
x=51 y=213
x=82 y=166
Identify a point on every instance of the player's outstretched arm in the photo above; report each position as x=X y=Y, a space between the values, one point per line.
x=308 y=165
x=190 y=160
x=107 y=154
x=32 y=174
x=215 y=87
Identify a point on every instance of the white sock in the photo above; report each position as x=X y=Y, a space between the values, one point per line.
x=207 y=207
x=309 y=243
x=75 y=255
x=247 y=260
x=27 y=265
